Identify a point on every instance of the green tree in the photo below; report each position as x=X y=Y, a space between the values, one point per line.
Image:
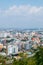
x=39 y=56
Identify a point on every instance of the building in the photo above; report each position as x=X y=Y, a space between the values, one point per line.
x=12 y=49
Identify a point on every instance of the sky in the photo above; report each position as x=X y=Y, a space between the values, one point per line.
x=21 y=14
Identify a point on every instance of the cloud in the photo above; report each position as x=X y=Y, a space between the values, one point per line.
x=22 y=16
x=22 y=10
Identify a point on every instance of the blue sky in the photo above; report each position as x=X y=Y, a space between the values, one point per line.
x=21 y=14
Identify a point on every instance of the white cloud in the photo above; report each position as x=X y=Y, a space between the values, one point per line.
x=24 y=10
x=22 y=15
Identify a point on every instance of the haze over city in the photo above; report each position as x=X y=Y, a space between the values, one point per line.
x=21 y=32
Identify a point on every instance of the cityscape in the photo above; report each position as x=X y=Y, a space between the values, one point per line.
x=21 y=32
x=19 y=43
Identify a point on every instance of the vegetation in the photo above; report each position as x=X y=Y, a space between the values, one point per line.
x=39 y=56
x=37 y=59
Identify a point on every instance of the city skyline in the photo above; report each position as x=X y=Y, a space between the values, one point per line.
x=21 y=14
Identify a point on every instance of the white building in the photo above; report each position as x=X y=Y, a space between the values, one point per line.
x=12 y=49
